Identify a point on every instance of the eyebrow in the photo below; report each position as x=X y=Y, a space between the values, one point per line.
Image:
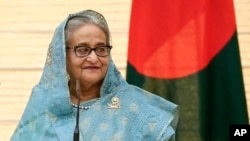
x=96 y=45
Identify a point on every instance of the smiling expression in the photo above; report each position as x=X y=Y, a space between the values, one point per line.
x=92 y=68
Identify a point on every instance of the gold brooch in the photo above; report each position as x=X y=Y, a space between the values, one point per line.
x=115 y=103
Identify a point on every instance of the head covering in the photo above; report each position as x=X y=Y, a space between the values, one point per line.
x=123 y=112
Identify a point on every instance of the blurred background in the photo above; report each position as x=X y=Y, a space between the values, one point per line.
x=27 y=27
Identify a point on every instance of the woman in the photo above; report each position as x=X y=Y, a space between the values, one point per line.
x=79 y=63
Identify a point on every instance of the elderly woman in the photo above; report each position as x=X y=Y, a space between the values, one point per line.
x=80 y=74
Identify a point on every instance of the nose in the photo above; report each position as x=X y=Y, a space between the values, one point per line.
x=92 y=57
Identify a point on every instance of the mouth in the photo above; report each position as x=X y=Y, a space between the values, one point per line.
x=91 y=68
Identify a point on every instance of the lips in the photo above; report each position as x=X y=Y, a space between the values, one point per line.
x=91 y=67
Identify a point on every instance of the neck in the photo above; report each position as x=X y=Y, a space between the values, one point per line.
x=86 y=92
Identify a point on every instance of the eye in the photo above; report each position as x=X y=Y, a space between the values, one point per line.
x=82 y=50
x=101 y=49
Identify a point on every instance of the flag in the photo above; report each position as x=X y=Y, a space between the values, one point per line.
x=187 y=52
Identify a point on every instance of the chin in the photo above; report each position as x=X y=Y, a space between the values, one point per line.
x=92 y=80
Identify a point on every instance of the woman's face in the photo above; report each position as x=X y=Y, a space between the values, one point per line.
x=92 y=68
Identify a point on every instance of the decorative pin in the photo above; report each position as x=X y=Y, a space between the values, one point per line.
x=115 y=103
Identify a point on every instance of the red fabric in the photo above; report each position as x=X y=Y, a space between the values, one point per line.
x=176 y=38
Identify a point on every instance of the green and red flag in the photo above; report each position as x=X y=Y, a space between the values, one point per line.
x=187 y=52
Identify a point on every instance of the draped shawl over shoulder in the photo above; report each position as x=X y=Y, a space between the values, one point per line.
x=49 y=115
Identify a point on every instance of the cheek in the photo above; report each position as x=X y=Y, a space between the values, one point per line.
x=68 y=63
x=105 y=63
x=68 y=66
x=71 y=64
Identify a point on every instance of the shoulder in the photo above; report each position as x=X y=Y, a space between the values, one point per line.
x=156 y=117
x=146 y=99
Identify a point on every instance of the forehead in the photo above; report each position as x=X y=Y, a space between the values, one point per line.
x=87 y=17
x=87 y=34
